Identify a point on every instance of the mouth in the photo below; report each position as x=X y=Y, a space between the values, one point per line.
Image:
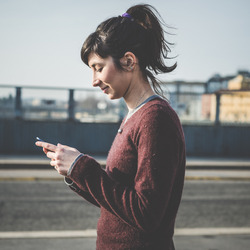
x=104 y=89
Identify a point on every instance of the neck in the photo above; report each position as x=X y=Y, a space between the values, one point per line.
x=137 y=95
x=138 y=89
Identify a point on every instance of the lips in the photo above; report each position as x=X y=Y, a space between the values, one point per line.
x=105 y=89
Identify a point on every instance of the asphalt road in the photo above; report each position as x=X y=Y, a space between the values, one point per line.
x=52 y=206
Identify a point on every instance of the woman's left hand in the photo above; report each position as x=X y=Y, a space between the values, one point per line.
x=61 y=156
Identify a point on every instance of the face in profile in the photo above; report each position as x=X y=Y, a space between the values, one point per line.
x=112 y=81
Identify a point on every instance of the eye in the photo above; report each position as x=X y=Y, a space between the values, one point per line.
x=99 y=70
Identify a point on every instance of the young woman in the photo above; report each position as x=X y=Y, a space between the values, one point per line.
x=140 y=190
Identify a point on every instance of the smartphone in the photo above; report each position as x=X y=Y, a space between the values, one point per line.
x=38 y=139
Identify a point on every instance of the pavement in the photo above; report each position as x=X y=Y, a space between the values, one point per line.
x=33 y=168
x=36 y=167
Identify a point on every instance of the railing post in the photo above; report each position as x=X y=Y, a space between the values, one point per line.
x=178 y=93
x=71 y=106
x=217 y=116
x=18 y=103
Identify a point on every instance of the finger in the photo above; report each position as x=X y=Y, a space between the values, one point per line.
x=48 y=146
x=53 y=163
x=45 y=151
x=51 y=155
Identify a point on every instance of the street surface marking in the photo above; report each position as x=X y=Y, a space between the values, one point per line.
x=211 y=231
x=48 y=234
x=90 y=233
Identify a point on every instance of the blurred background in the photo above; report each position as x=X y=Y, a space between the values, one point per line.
x=42 y=78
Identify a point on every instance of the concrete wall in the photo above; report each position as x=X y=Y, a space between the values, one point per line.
x=18 y=137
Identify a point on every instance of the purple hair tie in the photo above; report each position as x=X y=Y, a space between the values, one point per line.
x=127 y=15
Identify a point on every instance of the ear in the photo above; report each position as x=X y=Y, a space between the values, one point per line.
x=128 y=61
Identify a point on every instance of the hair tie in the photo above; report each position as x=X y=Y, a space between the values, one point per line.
x=127 y=15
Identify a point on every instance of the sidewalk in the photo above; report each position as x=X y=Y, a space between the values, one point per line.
x=38 y=161
x=32 y=161
x=32 y=167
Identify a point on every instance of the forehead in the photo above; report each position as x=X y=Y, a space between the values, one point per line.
x=95 y=59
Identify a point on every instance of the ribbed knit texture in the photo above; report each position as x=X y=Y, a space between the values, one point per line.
x=140 y=191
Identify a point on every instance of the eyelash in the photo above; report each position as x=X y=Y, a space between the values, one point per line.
x=99 y=70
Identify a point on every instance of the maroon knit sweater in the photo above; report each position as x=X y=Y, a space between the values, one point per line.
x=140 y=191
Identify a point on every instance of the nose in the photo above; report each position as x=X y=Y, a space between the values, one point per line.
x=96 y=83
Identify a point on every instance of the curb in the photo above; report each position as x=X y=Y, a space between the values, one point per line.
x=187 y=178
x=209 y=178
x=7 y=165
x=30 y=179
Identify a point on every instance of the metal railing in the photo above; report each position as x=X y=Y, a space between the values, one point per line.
x=51 y=103
x=91 y=105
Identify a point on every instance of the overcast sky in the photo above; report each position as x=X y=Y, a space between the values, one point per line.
x=41 y=39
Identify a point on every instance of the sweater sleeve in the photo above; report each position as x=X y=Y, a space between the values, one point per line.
x=144 y=204
x=79 y=191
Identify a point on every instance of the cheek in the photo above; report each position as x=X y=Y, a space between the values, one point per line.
x=107 y=76
x=110 y=75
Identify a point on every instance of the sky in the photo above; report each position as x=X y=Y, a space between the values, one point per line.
x=40 y=40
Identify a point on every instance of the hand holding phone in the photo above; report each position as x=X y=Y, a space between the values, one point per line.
x=61 y=156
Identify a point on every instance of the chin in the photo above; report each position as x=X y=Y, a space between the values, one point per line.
x=114 y=97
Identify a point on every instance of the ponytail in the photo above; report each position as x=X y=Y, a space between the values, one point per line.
x=158 y=47
x=139 y=31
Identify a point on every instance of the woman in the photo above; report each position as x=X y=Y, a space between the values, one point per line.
x=140 y=190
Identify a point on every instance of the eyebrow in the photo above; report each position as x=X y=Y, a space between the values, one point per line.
x=94 y=64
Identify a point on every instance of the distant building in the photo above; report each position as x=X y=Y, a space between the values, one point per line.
x=234 y=101
x=240 y=82
x=217 y=82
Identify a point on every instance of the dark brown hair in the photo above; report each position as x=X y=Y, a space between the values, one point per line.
x=140 y=33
